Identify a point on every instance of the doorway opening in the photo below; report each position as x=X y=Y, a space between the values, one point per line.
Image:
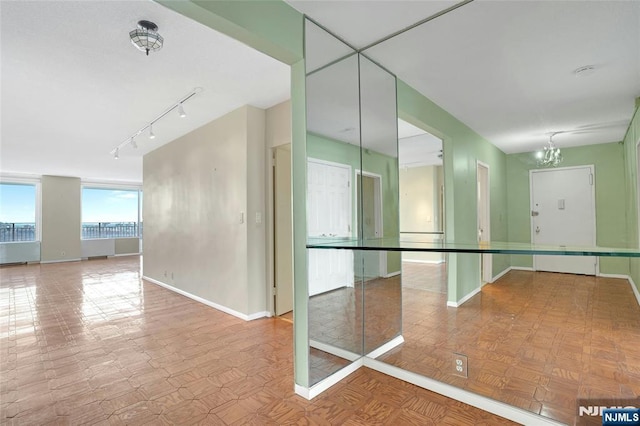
x=421 y=206
x=484 y=220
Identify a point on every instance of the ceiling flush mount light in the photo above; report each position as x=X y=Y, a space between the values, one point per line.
x=146 y=37
x=177 y=105
x=550 y=156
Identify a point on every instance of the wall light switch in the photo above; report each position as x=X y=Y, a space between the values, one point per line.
x=241 y=217
x=561 y=204
x=258 y=217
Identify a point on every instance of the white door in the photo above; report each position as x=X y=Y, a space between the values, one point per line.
x=329 y=216
x=283 y=240
x=484 y=220
x=563 y=213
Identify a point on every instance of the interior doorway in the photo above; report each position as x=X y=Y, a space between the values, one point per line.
x=421 y=184
x=563 y=213
x=484 y=220
x=369 y=221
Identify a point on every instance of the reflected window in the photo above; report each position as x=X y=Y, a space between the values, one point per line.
x=18 y=212
x=111 y=213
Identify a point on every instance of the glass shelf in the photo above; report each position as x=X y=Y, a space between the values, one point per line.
x=493 y=247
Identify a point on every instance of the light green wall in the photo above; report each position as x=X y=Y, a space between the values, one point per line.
x=299 y=192
x=270 y=26
x=462 y=149
x=631 y=192
x=323 y=148
x=611 y=229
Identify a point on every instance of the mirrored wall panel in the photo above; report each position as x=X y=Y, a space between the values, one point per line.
x=333 y=156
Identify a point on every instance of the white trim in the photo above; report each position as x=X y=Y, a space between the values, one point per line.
x=623 y=276
x=423 y=261
x=486 y=259
x=339 y=352
x=378 y=213
x=487 y=404
x=392 y=274
x=62 y=260
x=501 y=274
x=323 y=385
x=522 y=268
x=209 y=303
x=105 y=184
x=396 y=341
x=126 y=254
x=634 y=288
x=592 y=170
x=464 y=299
x=638 y=187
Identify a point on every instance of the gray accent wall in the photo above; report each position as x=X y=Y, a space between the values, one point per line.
x=204 y=198
x=60 y=219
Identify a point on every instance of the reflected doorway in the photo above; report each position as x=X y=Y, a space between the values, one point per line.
x=421 y=206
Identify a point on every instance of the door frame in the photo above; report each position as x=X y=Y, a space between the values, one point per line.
x=638 y=187
x=377 y=202
x=486 y=259
x=591 y=167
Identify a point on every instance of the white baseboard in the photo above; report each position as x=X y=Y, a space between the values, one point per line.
x=487 y=404
x=521 y=268
x=623 y=276
x=501 y=274
x=386 y=347
x=634 y=288
x=339 y=352
x=423 y=261
x=464 y=299
x=224 y=309
x=392 y=274
x=324 y=384
x=61 y=261
x=126 y=254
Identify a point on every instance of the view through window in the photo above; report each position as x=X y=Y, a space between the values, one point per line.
x=111 y=213
x=17 y=212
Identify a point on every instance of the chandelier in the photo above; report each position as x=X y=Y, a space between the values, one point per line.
x=146 y=37
x=550 y=156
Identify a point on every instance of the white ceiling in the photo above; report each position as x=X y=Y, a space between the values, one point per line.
x=506 y=68
x=73 y=86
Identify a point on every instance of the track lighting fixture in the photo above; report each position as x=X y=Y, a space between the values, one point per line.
x=131 y=139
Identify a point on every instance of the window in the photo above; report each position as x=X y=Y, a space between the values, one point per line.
x=111 y=213
x=18 y=212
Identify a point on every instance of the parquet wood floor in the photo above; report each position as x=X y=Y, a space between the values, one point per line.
x=536 y=340
x=91 y=343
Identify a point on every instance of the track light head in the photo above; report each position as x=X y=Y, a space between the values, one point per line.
x=133 y=143
x=181 y=112
x=116 y=155
x=151 y=134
